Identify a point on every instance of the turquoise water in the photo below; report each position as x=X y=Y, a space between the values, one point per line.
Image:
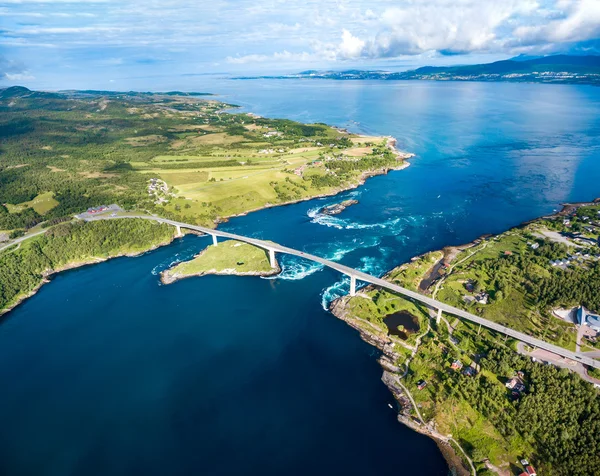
x=105 y=371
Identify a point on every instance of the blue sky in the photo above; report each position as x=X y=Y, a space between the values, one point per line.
x=99 y=43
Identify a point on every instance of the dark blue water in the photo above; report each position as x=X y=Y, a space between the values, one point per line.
x=104 y=371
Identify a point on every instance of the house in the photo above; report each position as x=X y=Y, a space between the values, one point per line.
x=530 y=470
x=482 y=297
x=470 y=371
x=516 y=385
x=456 y=365
x=535 y=246
x=99 y=209
x=470 y=286
x=272 y=134
x=421 y=384
x=507 y=253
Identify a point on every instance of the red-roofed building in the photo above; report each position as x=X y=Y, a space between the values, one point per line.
x=457 y=365
x=530 y=470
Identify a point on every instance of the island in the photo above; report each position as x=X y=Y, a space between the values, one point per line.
x=337 y=208
x=488 y=399
x=231 y=257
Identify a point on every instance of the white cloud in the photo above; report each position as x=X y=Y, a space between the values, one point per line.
x=581 y=21
x=436 y=25
x=25 y=76
x=191 y=35
x=351 y=46
x=284 y=56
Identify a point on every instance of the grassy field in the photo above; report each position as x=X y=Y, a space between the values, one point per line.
x=513 y=306
x=255 y=179
x=65 y=152
x=228 y=257
x=42 y=203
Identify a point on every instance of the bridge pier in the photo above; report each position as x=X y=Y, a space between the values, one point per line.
x=352 y=285
x=214 y=237
x=272 y=258
x=439 y=317
x=179 y=234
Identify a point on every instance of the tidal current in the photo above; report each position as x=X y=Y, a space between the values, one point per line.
x=105 y=371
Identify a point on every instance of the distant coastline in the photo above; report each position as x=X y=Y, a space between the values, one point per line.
x=556 y=69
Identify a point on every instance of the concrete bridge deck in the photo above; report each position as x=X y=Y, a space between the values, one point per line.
x=367 y=278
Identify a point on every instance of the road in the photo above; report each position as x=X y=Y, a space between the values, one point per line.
x=559 y=361
x=22 y=238
x=367 y=278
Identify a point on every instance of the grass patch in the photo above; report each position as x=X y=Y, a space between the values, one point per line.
x=231 y=257
x=42 y=204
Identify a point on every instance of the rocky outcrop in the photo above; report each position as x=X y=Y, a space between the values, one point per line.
x=337 y=208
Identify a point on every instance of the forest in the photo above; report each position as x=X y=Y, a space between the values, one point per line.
x=559 y=415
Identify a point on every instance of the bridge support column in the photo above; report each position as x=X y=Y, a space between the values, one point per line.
x=214 y=237
x=352 y=285
x=178 y=228
x=439 y=317
x=272 y=258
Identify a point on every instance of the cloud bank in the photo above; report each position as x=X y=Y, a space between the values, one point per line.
x=126 y=36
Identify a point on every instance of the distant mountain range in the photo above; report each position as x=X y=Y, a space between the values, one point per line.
x=547 y=69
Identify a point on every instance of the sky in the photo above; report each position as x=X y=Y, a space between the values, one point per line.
x=116 y=43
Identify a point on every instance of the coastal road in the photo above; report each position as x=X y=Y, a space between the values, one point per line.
x=367 y=278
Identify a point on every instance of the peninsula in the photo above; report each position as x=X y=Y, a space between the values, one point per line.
x=465 y=385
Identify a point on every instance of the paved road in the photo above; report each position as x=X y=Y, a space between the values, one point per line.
x=559 y=361
x=22 y=238
x=367 y=278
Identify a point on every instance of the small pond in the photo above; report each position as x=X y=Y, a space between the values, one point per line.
x=409 y=322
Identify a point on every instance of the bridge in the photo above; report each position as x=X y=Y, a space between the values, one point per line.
x=356 y=275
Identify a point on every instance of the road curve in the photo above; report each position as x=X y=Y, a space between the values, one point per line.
x=367 y=278
x=22 y=238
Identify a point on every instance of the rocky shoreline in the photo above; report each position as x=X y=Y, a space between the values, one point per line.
x=361 y=181
x=390 y=370
x=168 y=277
x=389 y=356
